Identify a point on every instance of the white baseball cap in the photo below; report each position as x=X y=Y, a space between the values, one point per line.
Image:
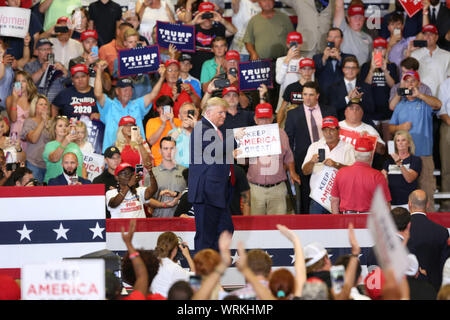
x=314 y=251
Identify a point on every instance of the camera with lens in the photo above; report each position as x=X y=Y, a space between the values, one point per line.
x=222 y=81
x=207 y=15
x=35 y=183
x=403 y=92
x=179 y=256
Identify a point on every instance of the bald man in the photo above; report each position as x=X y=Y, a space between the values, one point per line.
x=69 y=175
x=428 y=240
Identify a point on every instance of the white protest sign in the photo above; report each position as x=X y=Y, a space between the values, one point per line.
x=390 y=251
x=65 y=280
x=14 y=22
x=321 y=191
x=94 y=164
x=259 y=141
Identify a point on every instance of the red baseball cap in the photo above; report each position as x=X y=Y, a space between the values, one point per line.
x=356 y=9
x=170 y=61
x=126 y=120
x=307 y=62
x=373 y=284
x=89 y=34
x=229 y=89
x=330 y=122
x=380 y=42
x=364 y=144
x=206 y=6
x=430 y=28
x=411 y=74
x=63 y=20
x=232 y=55
x=294 y=36
x=79 y=68
x=122 y=166
x=264 y=110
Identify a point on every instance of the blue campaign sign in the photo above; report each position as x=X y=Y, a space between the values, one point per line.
x=180 y=35
x=138 y=61
x=254 y=73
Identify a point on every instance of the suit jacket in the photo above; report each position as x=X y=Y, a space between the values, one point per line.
x=297 y=130
x=325 y=73
x=442 y=20
x=429 y=242
x=311 y=24
x=61 y=181
x=335 y=97
x=209 y=169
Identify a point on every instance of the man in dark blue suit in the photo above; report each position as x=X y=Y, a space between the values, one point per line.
x=348 y=88
x=302 y=132
x=428 y=240
x=211 y=176
x=329 y=63
x=69 y=175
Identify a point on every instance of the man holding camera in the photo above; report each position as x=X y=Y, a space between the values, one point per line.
x=329 y=151
x=434 y=62
x=69 y=175
x=47 y=74
x=414 y=113
x=64 y=47
x=329 y=63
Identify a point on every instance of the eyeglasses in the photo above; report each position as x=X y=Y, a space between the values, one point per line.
x=351 y=68
x=61 y=117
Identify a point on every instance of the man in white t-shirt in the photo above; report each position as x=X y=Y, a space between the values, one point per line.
x=127 y=201
x=287 y=67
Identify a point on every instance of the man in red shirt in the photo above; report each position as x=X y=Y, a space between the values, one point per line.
x=179 y=92
x=355 y=185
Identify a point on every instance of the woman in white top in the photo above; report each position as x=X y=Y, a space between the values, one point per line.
x=168 y=248
x=151 y=11
x=127 y=201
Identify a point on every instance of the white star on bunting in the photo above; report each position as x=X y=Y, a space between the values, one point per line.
x=61 y=232
x=24 y=233
x=97 y=231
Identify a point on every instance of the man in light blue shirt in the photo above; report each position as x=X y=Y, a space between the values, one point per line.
x=111 y=111
x=414 y=113
x=185 y=67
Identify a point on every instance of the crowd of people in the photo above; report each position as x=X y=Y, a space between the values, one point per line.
x=342 y=92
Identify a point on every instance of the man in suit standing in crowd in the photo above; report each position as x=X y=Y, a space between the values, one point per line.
x=428 y=240
x=302 y=127
x=211 y=176
x=69 y=175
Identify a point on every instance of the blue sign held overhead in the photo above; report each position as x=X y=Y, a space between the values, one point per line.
x=138 y=61
x=180 y=35
x=254 y=73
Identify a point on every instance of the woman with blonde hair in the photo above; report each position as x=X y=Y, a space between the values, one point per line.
x=63 y=135
x=133 y=148
x=402 y=169
x=36 y=133
x=21 y=104
x=167 y=250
